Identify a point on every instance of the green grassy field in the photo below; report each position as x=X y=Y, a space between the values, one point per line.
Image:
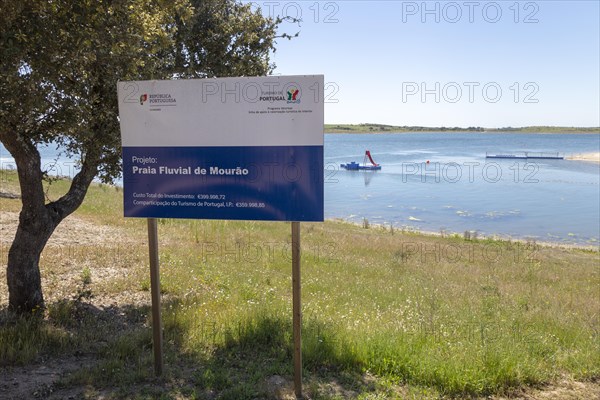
x=387 y=314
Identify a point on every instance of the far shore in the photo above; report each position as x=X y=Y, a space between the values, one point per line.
x=589 y=157
x=380 y=128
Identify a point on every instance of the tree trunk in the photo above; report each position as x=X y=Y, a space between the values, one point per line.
x=37 y=220
x=23 y=271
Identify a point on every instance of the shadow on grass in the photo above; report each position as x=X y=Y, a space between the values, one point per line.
x=67 y=326
x=251 y=359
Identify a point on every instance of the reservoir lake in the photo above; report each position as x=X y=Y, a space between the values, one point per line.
x=460 y=190
x=442 y=182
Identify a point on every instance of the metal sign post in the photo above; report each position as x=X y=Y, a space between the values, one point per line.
x=297 y=309
x=155 y=293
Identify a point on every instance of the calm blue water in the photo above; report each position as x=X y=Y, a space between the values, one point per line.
x=459 y=190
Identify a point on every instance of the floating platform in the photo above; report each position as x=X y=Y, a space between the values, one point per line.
x=354 y=166
x=526 y=155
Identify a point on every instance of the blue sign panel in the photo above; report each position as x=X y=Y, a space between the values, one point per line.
x=279 y=183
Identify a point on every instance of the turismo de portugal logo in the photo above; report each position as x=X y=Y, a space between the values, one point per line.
x=292 y=93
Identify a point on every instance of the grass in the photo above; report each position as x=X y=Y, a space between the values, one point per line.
x=387 y=314
x=22 y=339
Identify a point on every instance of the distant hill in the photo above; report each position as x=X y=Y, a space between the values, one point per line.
x=381 y=128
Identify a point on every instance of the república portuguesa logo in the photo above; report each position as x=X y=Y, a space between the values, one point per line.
x=161 y=99
x=158 y=99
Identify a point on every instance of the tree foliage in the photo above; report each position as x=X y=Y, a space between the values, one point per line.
x=60 y=61
x=223 y=38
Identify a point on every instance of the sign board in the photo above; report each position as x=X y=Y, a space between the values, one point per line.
x=227 y=148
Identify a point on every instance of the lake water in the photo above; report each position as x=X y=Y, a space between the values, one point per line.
x=459 y=189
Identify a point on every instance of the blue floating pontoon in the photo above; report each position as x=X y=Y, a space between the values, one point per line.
x=354 y=166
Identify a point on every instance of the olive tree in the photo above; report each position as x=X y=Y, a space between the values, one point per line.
x=60 y=61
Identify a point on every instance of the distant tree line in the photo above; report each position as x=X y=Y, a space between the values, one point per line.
x=369 y=127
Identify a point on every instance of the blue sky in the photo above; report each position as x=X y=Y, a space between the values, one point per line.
x=463 y=63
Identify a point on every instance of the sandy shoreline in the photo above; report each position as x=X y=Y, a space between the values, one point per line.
x=476 y=236
x=591 y=157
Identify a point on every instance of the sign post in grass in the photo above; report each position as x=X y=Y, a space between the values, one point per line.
x=228 y=148
x=157 y=337
x=297 y=308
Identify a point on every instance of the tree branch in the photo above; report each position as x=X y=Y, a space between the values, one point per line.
x=68 y=203
x=28 y=160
